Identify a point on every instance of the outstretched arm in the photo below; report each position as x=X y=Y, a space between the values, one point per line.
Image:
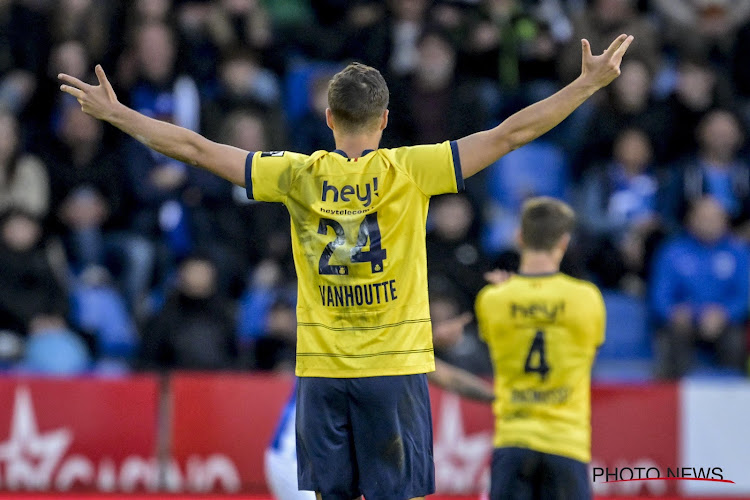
x=480 y=150
x=176 y=142
x=461 y=382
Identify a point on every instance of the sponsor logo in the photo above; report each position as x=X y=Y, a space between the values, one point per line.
x=347 y=192
x=537 y=311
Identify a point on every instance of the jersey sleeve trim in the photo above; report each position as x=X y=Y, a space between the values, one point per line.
x=457 y=167
x=249 y=174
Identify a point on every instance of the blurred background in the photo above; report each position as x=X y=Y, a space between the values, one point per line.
x=122 y=270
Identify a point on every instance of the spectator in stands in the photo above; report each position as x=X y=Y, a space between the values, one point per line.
x=245 y=85
x=515 y=45
x=88 y=21
x=709 y=25
x=151 y=11
x=194 y=331
x=245 y=24
x=68 y=55
x=90 y=205
x=455 y=264
x=603 y=20
x=277 y=348
x=198 y=56
x=432 y=102
x=101 y=314
x=619 y=212
x=392 y=45
x=717 y=170
x=30 y=279
x=628 y=104
x=24 y=39
x=264 y=325
x=312 y=133
x=698 y=89
x=741 y=70
x=53 y=349
x=24 y=183
x=699 y=293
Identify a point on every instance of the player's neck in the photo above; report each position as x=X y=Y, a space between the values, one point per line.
x=535 y=262
x=355 y=145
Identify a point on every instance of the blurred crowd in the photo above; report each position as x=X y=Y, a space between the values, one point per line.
x=114 y=258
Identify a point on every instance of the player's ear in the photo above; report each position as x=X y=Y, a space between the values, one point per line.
x=384 y=120
x=518 y=238
x=564 y=242
x=329 y=118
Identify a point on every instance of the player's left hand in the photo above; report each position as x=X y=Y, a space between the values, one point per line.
x=497 y=276
x=600 y=70
x=98 y=101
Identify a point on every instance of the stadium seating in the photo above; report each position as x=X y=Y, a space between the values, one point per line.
x=626 y=355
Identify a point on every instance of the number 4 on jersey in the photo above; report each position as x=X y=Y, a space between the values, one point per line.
x=368 y=231
x=536 y=361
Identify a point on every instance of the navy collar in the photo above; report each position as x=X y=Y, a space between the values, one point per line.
x=365 y=152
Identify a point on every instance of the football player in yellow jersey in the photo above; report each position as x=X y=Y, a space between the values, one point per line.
x=358 y=228
x=543 y=329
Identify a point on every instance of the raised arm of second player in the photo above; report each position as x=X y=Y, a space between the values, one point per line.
x=478 y=151
x=176 y=142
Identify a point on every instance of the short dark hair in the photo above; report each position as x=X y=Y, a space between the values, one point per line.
x=544 y=221
x=357 y=96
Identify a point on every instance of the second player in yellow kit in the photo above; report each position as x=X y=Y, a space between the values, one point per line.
x=543 y=329
x=543 y=332
x=358 y=233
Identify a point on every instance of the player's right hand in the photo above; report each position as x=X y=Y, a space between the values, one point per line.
x=98 y=101
x=599 y=71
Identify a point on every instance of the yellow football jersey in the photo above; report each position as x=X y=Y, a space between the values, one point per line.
x=358 y=239
x=543 y=332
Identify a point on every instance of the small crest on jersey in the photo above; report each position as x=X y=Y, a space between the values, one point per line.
x=272 y=153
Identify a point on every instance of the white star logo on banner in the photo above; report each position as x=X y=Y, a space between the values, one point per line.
x=30 y=458
x=460 y=459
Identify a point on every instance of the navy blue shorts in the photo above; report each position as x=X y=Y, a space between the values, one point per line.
x=365 y=436
x=523 y=474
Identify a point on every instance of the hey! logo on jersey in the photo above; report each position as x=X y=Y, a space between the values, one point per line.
x=364 y=194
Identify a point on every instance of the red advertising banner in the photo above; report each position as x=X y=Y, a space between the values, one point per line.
x=101 y=435
x=634 y=427
x=78 y=434
x=462 y=433
x=221 y=426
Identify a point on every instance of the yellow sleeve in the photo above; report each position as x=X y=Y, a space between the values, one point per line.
x=268 y=175
x=480 y=308
x=600 y=318
x=434 y=168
